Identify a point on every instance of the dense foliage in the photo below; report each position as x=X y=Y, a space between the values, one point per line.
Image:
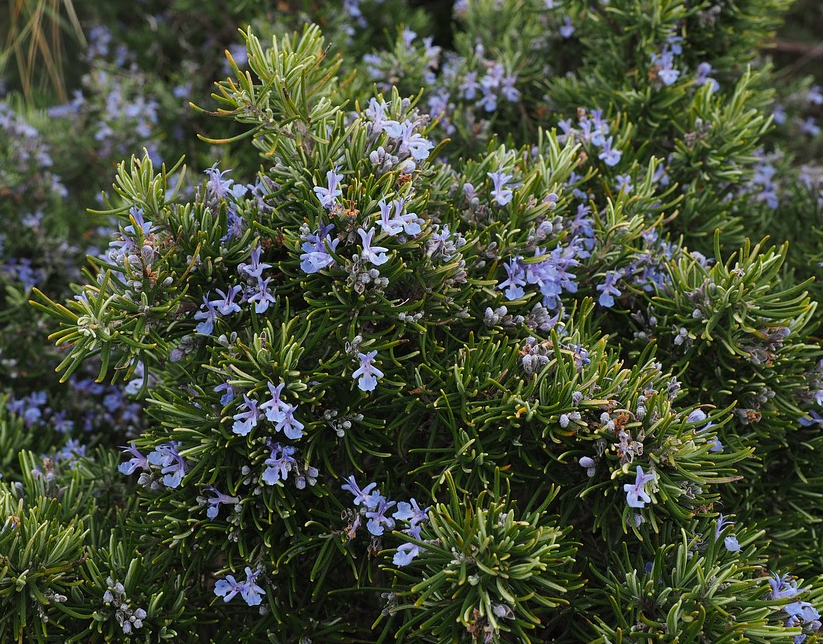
x=506 y=337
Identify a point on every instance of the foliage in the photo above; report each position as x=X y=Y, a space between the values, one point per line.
x=433 y=341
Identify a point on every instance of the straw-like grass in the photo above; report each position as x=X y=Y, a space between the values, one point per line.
x=34 y=40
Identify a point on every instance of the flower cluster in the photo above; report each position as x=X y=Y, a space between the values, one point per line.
x=550 y=272
x=165 y=457
x=374 y=507
x=801 y=613
x=281 y=463
x=274 y=409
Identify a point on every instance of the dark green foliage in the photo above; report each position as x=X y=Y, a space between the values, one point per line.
x=437 y=362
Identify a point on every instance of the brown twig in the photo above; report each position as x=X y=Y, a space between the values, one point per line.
x=807 y=52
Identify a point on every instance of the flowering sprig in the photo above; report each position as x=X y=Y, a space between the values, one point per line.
x=373 y=506
x=275 y=410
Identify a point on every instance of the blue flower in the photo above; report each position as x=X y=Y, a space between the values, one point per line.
x=664 y=62
x=702 y=77
x=208 y=317
x=254 y=268
x=274 y=407
x=291 y=427
x=515 y=280
x=70 y=452
x=376 y=111
x=783 y=587
x=636 y=495
x=374 y=254
x=377 y=519
x=228 y=393
x=567 y=30
x=279 y=464
x=608 y=289
x=508 y=90
x=328 y=195
x=411 y=512
x=367 y=374
x=235 y=225
x=245 y=421
x=227 y=305
x=408 y=551
x=227 y=588
x=800 y=613
x=249 y=590
x=391 y=225
x=551 y=273
x=609 y=155
x=730 y=542
x=469 y=86
x=219 y=188
x=501 y=194
x=316 y=256
x=410 y=142
x=410 y=220
x=405 y=553
x=172 y=465
x=261 y=296
x=360 y=496
x=214 y=502
x=623 y=183
x=810 y=127
x=251 y=593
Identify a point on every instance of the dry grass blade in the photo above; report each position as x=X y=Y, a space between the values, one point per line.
x=34 y=37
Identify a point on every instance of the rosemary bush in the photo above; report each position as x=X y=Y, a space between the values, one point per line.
x=502 y=341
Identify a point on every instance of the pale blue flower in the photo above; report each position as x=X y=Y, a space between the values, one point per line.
x=329 y=194
x=567 y=30
x=360 y=496
x=172 y=465
x=515 y=280
x=254 y=268
x=245 y=421
x=316 y=255
x=367 y=374
x=609 y=155
x=215 y=501
x=408 y=551
x=501 y=194
x=274 y=407
x=227 y=588
x=251 y=593
x=261 y=296
x=279 y=464
x=227 y=305
x=636 y=495
x=783 y=587
x=374 y=254
x=411 y=512
x=377 y=519
x=289 y=425
x=608 y=289
x=390 y=225
x=137 y=461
